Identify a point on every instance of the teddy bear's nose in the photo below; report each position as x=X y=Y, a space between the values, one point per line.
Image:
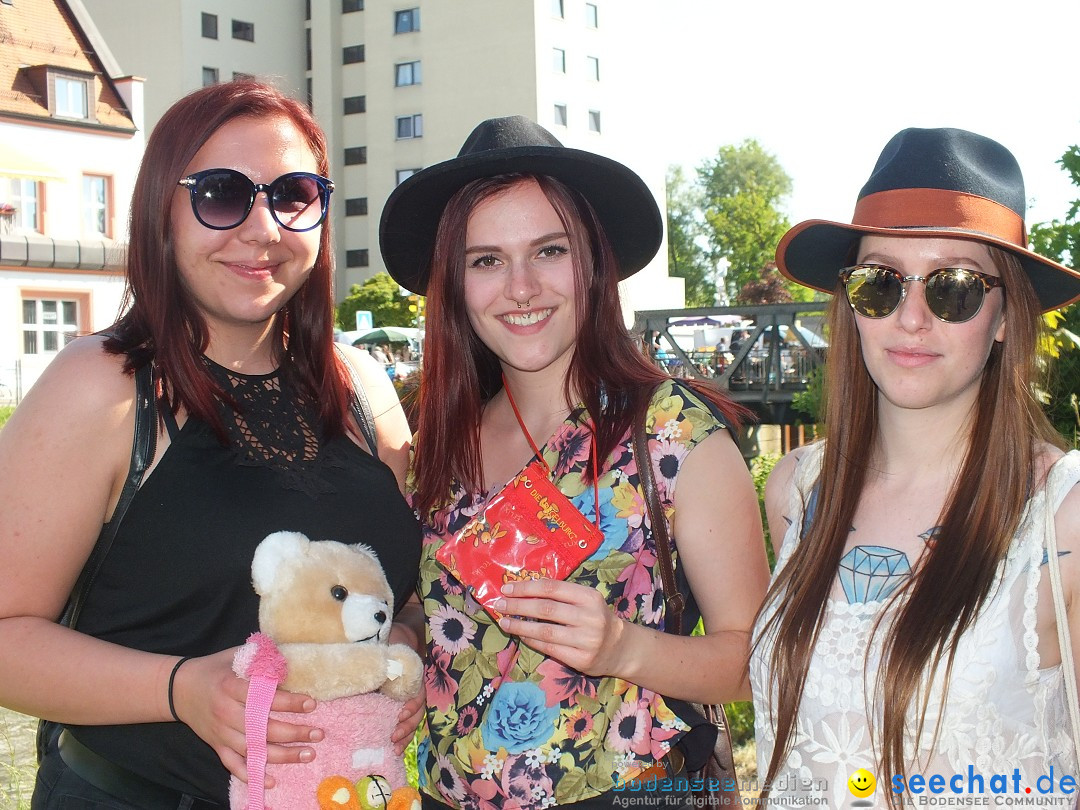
x=380 y=617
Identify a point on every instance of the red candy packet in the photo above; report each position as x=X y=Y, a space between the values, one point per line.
x=529 y=530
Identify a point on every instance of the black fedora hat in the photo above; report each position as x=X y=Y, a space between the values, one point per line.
x=931 y=183
x=624 y=204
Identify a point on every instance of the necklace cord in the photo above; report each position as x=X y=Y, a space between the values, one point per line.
x=540 y=456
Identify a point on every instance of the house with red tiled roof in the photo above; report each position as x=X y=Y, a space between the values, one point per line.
x=70 y=144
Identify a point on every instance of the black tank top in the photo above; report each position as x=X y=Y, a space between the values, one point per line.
x=177 y=579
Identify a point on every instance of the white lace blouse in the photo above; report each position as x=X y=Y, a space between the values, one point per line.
x=1003 y=711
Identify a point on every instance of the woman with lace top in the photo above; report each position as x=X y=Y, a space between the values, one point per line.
x=230 y=302
x=909 y=629
x=519 y=244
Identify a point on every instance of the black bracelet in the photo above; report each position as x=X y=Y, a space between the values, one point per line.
x=172 y=679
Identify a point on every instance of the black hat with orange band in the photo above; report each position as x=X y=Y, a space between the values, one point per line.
x=931 y=183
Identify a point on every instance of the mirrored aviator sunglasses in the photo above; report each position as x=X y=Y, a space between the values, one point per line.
x=222 y=198
x=953 y=294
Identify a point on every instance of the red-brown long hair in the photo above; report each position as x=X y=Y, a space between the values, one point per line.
x=954 y=577
x=163 y=324
x=608 y=370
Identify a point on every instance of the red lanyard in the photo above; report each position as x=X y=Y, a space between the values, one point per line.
x=539 y=455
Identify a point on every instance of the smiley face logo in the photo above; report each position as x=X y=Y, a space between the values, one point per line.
x=861 y=783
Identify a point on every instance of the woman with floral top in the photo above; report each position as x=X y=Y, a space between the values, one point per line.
x=519 y=244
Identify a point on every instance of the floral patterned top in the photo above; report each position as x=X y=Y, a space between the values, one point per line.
x=507 y=727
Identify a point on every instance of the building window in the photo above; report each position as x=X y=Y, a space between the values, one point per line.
x=405 y=174
x=96 y=205
x=307 y=46
x=243 y=30
x=355 y=155
x=355 y=104
x=558 y=60
x=209 y=25
x=592 y=68
x=71 y=97
x=356 y=207
x=356 y=258
x=407 y=21
x=238 y=75
x=594 y=120
x=209 y=76
x=19 y=205
x=351 y=5
x=557 y=8
x=406 y=73
x=49 y=324
x=591 y=18
x=560 y=115
x=307 y=10
x=352 y=54
x=410 y=126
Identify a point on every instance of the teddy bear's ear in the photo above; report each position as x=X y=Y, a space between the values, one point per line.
x=270 y=553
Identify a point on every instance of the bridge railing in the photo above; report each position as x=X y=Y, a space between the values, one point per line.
x=769 y=356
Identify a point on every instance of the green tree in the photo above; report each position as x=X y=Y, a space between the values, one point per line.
x=1059 y=239
x=382 y=296
x=688 y=257
x=743 y=187
x=1062 y=395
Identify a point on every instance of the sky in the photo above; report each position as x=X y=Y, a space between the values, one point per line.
x=823 y=86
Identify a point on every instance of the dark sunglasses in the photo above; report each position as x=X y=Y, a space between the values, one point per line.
x=953 y=294
x=222 y=198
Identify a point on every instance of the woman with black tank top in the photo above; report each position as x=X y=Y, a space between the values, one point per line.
x=230 y=303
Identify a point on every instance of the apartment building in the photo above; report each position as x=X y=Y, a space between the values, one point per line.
x=399 y=84
x=180 y=45
x=70 y=144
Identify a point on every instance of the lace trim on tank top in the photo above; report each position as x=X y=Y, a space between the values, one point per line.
x=276 y=427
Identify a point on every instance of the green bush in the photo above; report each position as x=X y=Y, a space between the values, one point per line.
x=760 y=467
x=1062 y=355
x=740 y=715
x=740 y=718
x=5 y=413
x=809 y=403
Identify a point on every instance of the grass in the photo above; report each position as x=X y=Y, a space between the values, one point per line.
x=18 y=762
x=745 y=756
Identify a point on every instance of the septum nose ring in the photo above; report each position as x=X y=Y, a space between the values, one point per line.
x=519 y=306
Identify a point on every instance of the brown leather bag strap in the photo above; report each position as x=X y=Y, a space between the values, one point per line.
x=673 y=600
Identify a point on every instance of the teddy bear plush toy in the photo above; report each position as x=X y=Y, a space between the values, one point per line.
x=325 y=611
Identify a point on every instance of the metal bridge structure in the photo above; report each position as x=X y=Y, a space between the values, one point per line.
x=768 y=358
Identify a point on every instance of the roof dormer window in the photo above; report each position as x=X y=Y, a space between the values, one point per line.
x=71 y=97
x=68 y=94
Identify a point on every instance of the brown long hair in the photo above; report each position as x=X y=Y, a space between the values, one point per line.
x=608 y=368
x=163 y=324
x=953 y=579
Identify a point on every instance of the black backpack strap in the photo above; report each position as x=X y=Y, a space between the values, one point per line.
x=361 y=408
x=143 y=447
x=142 y=454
